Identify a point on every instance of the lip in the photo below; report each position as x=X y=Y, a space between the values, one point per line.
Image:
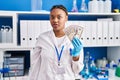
x=55 y=25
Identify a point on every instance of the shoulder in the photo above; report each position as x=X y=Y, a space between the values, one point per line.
x=44 y=39
x=45 y=34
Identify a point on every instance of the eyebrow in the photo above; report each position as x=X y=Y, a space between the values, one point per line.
x=57 y=15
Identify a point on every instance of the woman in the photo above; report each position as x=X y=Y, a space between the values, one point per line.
x=55 y=57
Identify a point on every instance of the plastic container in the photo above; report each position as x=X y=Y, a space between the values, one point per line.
x=90 y=6
x=112 y=63
x=101 y=6
x=36 y=5
x=93 y=6
x=117 y=73
x=107 y=70
x=107 y=6
x=0 y=36
x=3 y=35
x=112 y=71
x=9 y=36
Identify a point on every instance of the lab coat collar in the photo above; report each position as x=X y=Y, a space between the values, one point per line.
x=54 y=40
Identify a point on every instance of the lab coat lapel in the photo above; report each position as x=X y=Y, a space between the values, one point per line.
x=53 y=39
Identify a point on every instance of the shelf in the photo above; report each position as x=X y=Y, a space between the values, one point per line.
x=102 y=45
x=78 y=13
x=9 y=13
x=70 y=13
x=11 y=47
x=8 y=18
x=16 y=15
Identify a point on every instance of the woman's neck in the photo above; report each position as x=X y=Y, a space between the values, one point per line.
x=59 y=33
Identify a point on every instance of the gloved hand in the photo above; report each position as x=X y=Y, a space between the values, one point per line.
x=77 y=47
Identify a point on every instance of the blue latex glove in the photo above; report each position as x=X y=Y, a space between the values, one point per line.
x=77 y=47
x=5 y=70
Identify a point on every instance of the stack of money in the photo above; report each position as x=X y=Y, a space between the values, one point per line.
x=73 y=30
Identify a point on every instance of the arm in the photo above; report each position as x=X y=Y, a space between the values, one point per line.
x=35 y=64
x=35 y=61
x=77 y=64
x=77 y=55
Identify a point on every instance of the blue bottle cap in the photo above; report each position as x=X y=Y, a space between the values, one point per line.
x=114 y=65
x=119 y=60
x=92 y=58
x=108 y=65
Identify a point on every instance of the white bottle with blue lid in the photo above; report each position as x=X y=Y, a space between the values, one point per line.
x=93 y=6
x=107 y=6
x=101 y=6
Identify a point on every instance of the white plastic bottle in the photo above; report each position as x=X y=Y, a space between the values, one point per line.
x=9 y=35
x=101 y=6
x=0 y=35
x=3 y=35
x=112 y=63
x=93 y=6
x=90 y=6
x=112 y=71
x=36 y=5
x=107 y=6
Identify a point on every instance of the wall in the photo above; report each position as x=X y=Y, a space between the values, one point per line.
x=66 y=3
x=15 y=5
x=96 y=52
x=25 y=5
x=112 y=52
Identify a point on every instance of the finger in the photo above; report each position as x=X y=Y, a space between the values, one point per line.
x=74 y=43
x=77 y=41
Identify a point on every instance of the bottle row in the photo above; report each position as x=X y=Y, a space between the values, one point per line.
x=6 y=34
x=94 y=6
x=100 y=6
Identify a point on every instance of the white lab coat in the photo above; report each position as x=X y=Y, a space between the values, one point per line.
x=44 y=59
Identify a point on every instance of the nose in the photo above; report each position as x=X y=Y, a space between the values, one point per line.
x=55 y=20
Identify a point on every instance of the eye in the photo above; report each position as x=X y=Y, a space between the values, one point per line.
x=52 y=17
x=59 y=17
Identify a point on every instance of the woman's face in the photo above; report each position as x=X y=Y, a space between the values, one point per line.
x=58 y=19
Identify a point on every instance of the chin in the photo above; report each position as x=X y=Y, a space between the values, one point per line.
x=56 y=29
